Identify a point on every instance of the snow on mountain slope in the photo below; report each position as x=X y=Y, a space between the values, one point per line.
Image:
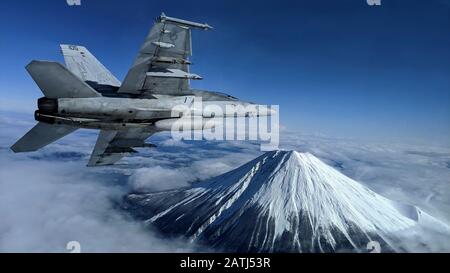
x=283 y=201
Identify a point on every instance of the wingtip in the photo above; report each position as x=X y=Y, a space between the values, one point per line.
x=14 y=149
x=92 y=164
x=30 y=64
x=99 y=164
x=42 y=62
x=71 y=46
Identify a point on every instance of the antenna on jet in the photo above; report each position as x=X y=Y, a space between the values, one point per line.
x=164 y=18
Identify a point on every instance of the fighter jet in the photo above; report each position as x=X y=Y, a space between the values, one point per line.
x=85 y=94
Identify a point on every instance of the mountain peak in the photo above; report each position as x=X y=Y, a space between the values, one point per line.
x=281 y=201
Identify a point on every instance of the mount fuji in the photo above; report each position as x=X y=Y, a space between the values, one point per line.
x=283 y=201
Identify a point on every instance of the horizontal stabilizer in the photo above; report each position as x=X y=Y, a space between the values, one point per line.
x=40 y=136
x=56 y=81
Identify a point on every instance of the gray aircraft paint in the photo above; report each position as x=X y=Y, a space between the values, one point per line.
x=87 y=95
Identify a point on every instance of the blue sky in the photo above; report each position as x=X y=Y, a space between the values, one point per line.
x=341 y=68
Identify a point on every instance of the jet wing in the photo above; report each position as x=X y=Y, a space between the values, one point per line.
x=112 y=146
x=162 y=65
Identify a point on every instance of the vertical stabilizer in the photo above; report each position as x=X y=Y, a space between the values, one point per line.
x=83 y=64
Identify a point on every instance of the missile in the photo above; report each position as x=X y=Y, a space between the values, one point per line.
x=163 y=18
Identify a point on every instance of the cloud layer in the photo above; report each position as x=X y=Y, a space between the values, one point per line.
x=49 y=198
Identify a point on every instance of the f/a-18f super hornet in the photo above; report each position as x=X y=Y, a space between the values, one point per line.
x=86 y=95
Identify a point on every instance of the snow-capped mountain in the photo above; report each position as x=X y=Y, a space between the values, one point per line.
x=283 y=201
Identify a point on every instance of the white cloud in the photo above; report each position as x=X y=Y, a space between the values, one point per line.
x=49 y=197
x=44 y=205
x=159 y=179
